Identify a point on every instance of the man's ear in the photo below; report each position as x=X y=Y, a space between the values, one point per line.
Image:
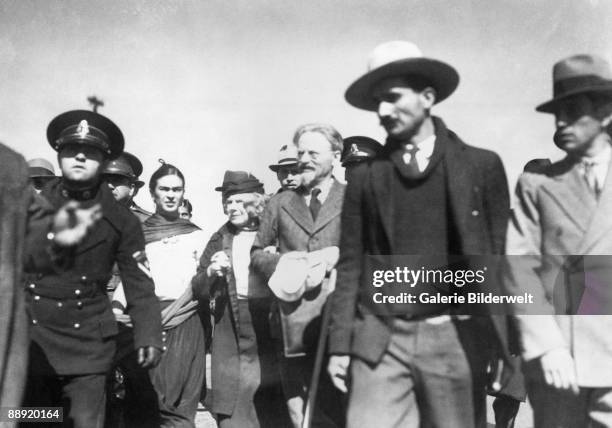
x=428 y=96
x=133 y=190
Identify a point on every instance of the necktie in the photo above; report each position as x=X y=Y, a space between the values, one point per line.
x=315 y=204
x=411 y=160
x=591 y=177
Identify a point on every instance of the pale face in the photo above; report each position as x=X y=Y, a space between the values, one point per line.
x=578 y=125
x=235 y=208
x=168 y=195
x=80 y=163
x=289 y=177
x=122 y=187
x=316 y=158
x=402 y=110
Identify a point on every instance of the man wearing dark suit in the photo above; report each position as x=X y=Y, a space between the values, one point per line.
x=305 y=220
x=427 y=193
x=562 y=231
x=72 y=326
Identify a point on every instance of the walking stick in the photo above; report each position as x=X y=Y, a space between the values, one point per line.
x=314 y=382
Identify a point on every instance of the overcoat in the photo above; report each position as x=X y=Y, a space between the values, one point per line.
x=559 y=246
x=225 y=370
x=478 y=213
x=25 y=221
x=72 y=326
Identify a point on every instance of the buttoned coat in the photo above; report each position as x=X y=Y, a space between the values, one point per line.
x=72 y=326
x=478 y=209
x=563 y=234
x=225 y=370
x=287 y=224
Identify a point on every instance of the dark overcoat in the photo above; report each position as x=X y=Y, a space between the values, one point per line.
x=72 y=326
x=225 y=370
x=478 y=205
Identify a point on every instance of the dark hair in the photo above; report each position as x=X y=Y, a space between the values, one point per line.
x=162 y=171
x=187 y=205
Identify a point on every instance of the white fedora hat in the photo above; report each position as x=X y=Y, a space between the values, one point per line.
x=400 y=58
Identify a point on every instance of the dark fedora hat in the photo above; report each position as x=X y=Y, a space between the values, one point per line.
x=578 y=74
x=239 y=182
x=126 y=165
x=40 y=168
x=86 y=127
x=401 y=59
x=358 y=149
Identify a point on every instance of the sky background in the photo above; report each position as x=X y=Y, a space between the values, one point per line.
x=215 y=85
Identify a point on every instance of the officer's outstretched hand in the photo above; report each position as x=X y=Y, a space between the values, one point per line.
x=71 y=223
x=149 y=356
x=338 y=369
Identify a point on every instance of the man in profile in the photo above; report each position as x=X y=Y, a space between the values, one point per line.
x=558 y=247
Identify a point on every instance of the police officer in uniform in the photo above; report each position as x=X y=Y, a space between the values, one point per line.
x=357 y=149
x=72 y=325
x=122 y=175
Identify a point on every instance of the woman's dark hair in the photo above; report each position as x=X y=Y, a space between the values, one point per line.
x=162 y=171
x=187 y=205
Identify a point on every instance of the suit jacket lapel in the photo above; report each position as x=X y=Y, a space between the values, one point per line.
x=571 y=193
x=298 y=210
x=460 y=187
x=381 y=177
x=331 y=207
x=601 y=222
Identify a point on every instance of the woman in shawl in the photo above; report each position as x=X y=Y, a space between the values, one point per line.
x=246 y=389
x=173 y=246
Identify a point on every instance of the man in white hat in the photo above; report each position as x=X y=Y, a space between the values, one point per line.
x=562 y=228
x=427 y=193
x=286 y=168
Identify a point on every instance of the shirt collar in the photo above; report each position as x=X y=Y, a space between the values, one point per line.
x=602 y=158
x=426 y=147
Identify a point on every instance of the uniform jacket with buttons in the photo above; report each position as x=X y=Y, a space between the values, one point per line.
x=72 y=325
x=478 y=207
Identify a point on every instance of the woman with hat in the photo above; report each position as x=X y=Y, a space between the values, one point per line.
x=245 y=386
x=173 y=246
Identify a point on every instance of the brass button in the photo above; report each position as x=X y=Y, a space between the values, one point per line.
x=80 y=304
x=32 y=285
x=77 y=292
x=77 y=325
x=84 y=278
x=34 y=322
x=475 y=213
x=60 y=304
x=36 y=297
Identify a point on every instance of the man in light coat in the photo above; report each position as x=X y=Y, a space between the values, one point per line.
x=562 y=231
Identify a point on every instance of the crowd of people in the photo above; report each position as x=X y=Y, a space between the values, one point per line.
x=116 y=307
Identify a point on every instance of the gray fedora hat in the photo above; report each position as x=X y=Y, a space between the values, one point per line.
x=396 y=59
x=578 y=74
